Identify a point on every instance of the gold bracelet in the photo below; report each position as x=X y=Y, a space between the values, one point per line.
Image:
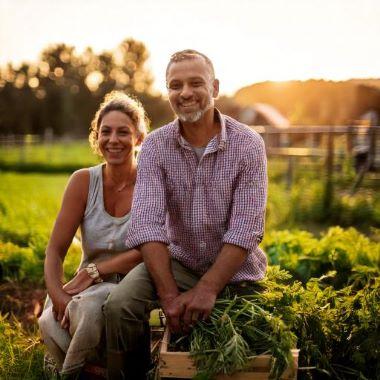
x=93 y=272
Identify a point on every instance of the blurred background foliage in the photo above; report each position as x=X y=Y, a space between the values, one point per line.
x=60 y=93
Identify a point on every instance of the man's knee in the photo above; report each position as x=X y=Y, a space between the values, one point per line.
x=121 y=305
x=112 y=307
x=132 y=297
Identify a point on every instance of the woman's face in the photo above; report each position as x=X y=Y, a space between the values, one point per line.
x=117 y=138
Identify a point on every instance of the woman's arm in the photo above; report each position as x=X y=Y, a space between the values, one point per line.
x=69 y=218
x=120 y=263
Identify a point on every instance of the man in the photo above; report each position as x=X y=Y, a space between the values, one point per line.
x=197 y=217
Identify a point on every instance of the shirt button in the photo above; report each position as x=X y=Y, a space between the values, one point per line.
x=202 y=245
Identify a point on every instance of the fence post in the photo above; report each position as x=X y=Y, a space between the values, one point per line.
x=372 y=146
x=350 y=140
x=329 y=187
x=48 y=141
x=290 y=172
x=22 y=150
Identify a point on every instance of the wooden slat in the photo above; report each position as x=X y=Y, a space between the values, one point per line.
x=244 y=376
x=165 y=341
x=314 y=129
x=301 y=152
x=180 y=365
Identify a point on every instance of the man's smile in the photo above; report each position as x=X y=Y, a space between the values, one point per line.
x=191 y=104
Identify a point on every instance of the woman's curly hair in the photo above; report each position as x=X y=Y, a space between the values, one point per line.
x=118 y=101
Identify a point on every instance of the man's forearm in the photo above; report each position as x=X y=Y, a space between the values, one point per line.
x=228 y=262
x=157 y=260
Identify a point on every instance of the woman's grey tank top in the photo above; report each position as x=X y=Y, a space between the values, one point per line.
x=103 y=235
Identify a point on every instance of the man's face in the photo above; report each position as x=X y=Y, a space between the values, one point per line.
x=191 y=89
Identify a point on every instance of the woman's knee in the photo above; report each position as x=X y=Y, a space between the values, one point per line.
x=46 y=321
x=85 y=306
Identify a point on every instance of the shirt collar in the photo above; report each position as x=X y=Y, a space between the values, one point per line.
x=220 y=139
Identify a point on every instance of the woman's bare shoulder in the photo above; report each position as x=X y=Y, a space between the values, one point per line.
x=81 y=176
x=78 y=184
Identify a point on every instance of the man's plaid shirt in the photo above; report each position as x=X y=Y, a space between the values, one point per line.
x=197 y=206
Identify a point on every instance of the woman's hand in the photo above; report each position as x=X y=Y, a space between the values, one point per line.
x=80 y=282
x=60 y=302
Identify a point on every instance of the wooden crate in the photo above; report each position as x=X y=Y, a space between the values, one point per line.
x=180 y=365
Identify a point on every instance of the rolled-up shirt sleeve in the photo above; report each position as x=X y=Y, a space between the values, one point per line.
x=247 y=218
x=148 y=214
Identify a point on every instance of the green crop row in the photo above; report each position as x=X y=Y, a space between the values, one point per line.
x=337 y=331
x=337 y=254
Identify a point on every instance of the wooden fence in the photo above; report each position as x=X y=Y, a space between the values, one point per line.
x=360 y=143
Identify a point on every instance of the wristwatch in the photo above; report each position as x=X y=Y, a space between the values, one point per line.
x=93 y=272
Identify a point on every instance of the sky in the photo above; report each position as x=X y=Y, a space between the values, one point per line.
x=249 y=41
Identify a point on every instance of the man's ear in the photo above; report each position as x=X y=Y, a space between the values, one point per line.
x=215 y=88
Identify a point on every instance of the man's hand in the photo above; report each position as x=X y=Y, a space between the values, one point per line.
x=59 y=307
x=173 y=311
x=198 y=302
x=80 y=282
x=188 y=308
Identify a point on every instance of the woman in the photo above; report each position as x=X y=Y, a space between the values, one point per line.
x=98 y=200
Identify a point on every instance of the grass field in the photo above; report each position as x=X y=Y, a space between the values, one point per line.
x=58 y=153
x=29 y=204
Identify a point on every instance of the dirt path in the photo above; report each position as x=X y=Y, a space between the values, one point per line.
x=23 y=300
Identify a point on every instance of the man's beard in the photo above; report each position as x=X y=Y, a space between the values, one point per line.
x=195 y=116
x=191 y=117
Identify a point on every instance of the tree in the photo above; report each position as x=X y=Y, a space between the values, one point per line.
x=62 y=91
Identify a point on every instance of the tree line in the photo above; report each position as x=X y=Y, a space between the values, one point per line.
x=61 y=92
